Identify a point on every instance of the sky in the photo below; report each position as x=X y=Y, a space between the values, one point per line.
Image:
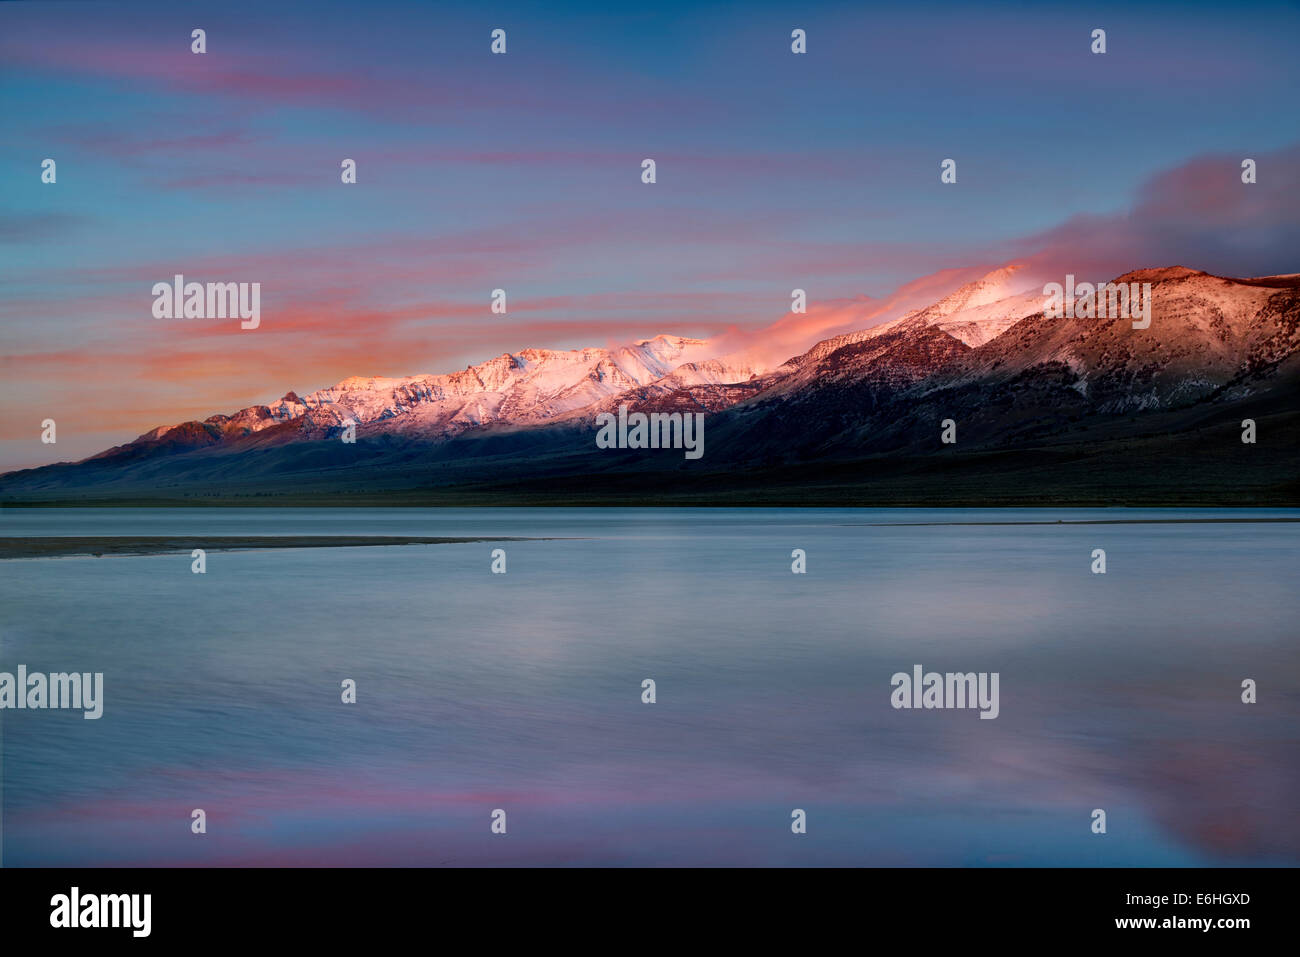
x=522 y=171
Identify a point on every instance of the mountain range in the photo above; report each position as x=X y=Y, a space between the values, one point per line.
x=1046 y=410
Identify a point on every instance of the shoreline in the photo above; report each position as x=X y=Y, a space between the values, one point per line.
x=1261 y=519
x=58 y=546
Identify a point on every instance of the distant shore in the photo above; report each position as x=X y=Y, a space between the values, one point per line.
x=1253 y=520
x=61 y=546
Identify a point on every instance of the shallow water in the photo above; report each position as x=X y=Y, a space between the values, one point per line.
x=522 y=691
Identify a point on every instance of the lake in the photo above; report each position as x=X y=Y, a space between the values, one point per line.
x=523 y=691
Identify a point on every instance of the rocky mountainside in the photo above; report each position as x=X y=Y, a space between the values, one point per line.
x=1211 y=340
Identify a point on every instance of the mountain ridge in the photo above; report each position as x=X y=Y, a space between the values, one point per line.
x=986 y=356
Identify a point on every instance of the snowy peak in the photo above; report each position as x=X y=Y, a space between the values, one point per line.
x=974 y=314
x=1160 y=275
x=526 y=387
x=1000 y=284
x=1208 y=336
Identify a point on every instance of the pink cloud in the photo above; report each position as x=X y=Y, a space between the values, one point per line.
x=1199 y=214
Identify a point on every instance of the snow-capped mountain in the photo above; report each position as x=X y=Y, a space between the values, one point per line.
x=1207 y=334
x=986 y=354
x=535 y=386
x=1206 y=330
x=529 y=387
x=1028 y=376
x=976 y=313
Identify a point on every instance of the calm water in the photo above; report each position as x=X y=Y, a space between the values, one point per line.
x=523 y=691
